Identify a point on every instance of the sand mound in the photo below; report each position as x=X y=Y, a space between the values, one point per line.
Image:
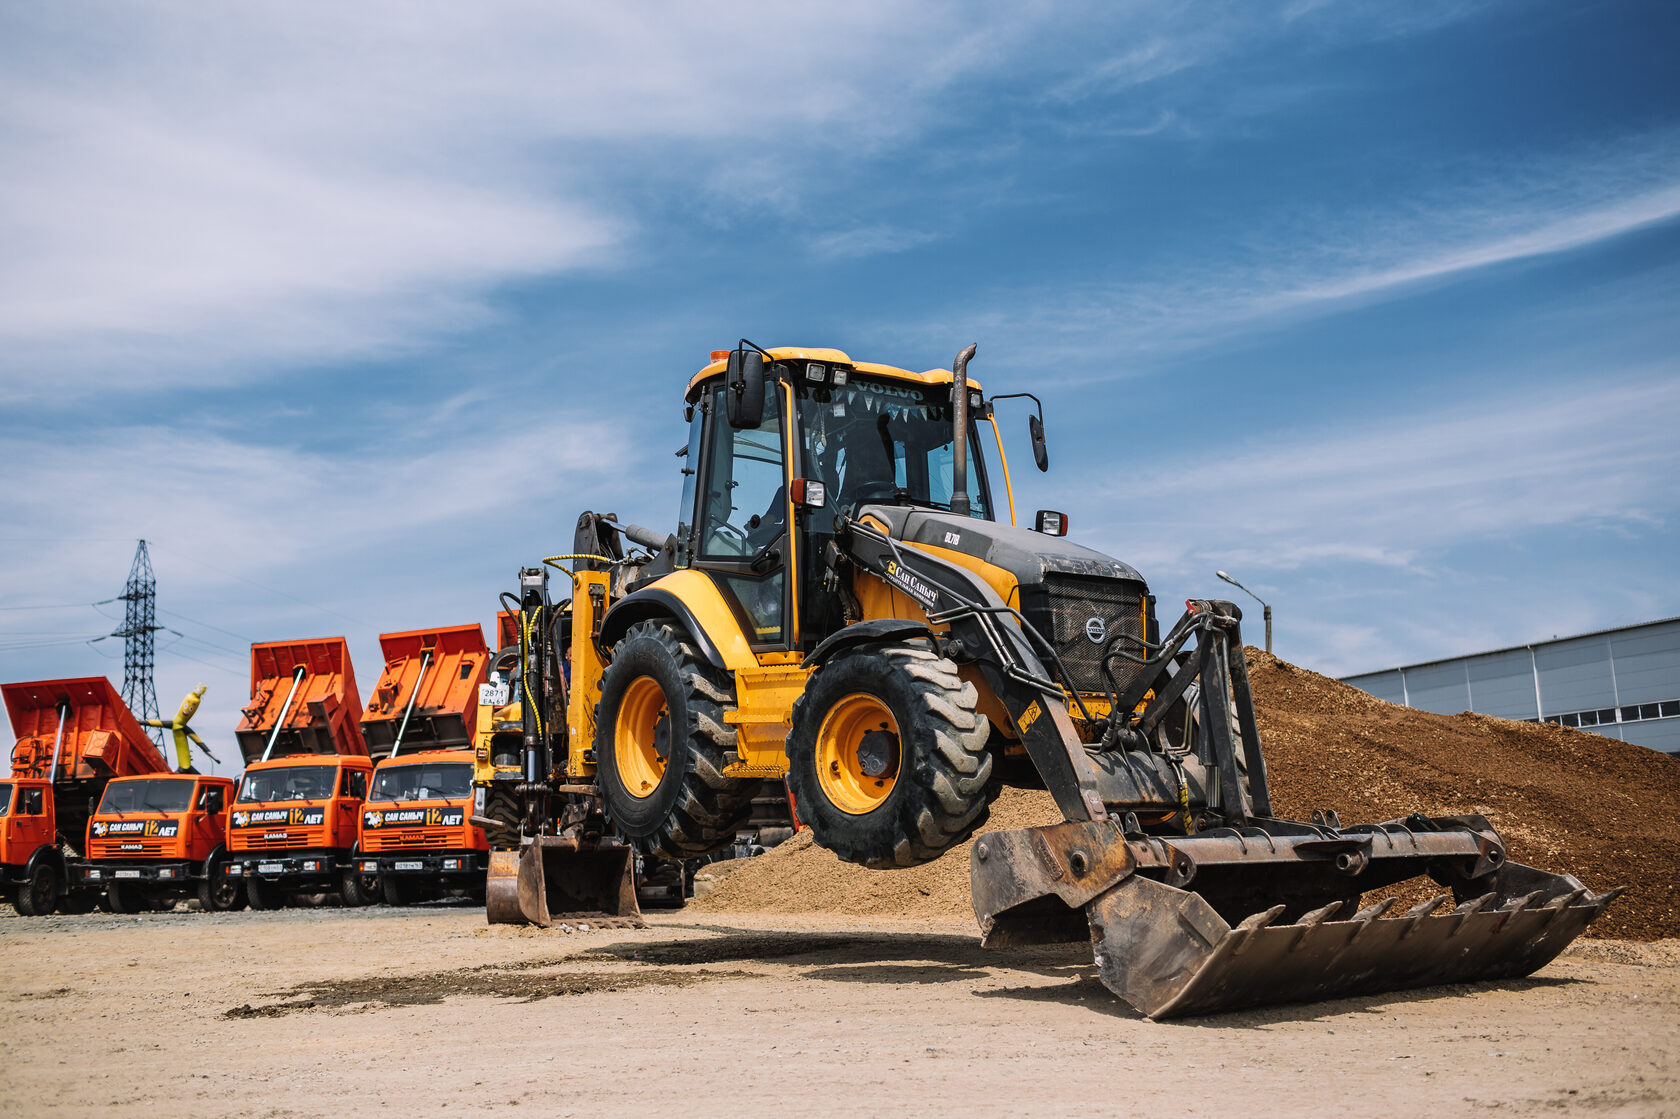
x=1564 y=800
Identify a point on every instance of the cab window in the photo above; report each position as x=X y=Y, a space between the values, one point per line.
x=33 y=802
x=5 y=798
x=354 y=784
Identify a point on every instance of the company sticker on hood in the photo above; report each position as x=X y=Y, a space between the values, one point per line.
x=268 y=817
x=163 y=829
x=414 y=817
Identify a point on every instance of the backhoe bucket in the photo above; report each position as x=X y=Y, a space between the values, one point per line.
x=560 y=879
x=1180 y=926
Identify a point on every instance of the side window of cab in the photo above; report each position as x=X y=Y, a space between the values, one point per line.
x=354 y=784
x=34 y=803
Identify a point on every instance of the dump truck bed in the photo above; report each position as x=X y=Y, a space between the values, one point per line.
x=307 y=689
x=427 y=696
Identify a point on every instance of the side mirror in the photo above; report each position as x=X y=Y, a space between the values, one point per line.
x=743 y=389
x=1041 y=453
x=1051 y=523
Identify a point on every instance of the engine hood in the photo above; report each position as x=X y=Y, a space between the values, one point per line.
x=1025 y=554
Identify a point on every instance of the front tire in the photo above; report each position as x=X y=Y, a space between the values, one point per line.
x=887 y=758
x=356 y=888
x=218 y=891
x=264 y=895
x=661 y=745
x=124 y=897
x=38 y=896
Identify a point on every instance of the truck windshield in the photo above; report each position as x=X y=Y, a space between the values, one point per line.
x=303 y=782
x=887 y=441
x=5 y=798
x=158 y=794
x=423 y=781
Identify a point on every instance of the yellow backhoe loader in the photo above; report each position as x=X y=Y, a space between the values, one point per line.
x=845 y=604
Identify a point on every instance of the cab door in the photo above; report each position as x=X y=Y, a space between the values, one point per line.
x=740 y=534
x=31 y=821
x=347 y=808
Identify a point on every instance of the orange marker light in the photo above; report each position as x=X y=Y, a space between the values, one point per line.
x=720 y=355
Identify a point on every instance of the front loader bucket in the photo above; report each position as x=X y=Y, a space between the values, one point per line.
x=1172 y=951
x=561 y=879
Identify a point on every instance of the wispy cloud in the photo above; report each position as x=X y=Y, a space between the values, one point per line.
x=197 y=197
x=1403 y=492
x=1285 y=268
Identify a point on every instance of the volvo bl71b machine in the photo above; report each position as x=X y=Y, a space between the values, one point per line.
x=847 y=603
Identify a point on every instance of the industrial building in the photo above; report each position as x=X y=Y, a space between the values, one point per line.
x=1622 y=683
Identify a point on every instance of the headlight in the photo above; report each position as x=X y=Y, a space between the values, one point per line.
x=166 y=872
x=452 y=864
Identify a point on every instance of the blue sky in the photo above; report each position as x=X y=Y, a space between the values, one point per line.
x=351 y=310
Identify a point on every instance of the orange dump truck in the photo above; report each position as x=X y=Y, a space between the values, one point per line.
x=73 y=738
x=416 y=834
x=156 y=839
x=296 y=822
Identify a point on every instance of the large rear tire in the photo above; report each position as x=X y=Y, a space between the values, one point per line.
x=661 y=745
x=38 y=896
x=887 y=758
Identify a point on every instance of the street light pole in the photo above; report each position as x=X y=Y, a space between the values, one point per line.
x=1256 y=598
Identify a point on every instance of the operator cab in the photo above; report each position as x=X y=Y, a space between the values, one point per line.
x=834 y=435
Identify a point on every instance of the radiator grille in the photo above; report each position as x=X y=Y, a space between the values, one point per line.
x=257 y=839
x=404 y=839
x=1064 y=616
x=126 y=848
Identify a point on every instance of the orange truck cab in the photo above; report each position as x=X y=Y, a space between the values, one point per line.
x=296 y=821
x=416 y=830
x=73 y=737
x=155 y=839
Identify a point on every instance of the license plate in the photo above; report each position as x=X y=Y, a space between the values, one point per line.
x=493 y=695
x=269 y=868
x=409 y=866
x=128 y=874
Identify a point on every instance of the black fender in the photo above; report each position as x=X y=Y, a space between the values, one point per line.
x=877 y=631
x=53 y=853
x=655 y=602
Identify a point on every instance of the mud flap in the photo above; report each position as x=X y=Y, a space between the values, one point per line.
x=563 y=879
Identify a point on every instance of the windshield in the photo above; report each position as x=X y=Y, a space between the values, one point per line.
x=423 y=781
x=161 y=794
x=5 y=797
x=303 y=782
x=887 y=441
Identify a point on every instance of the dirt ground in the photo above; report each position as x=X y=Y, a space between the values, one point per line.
x=332 y=1012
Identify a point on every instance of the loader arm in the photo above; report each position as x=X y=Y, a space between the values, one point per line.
x=1216 y=904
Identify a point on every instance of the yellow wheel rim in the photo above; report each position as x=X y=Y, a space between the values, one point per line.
x=858 y=754
x=636 y=734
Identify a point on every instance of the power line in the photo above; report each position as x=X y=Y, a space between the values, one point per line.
x=206 y=625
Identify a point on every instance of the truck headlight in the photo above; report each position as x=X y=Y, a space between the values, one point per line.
x=166 y=872
x=452 y=864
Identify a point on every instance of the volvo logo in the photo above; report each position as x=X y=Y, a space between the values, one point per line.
x=1095 y=630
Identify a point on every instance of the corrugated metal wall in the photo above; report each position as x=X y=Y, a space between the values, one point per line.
x=1623 y=683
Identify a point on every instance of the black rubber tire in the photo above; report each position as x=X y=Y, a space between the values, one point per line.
x=264 y=895
x=125 y=897
x=38 y=896
x=79 y=901
x=695 y=809
x=219 y=892
x=944 y=789
x=356 y=888
x=398 y=891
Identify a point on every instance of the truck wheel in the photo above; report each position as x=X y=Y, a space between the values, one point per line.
x=39 y=893
x=398 y=891
x=660 y=746
x=264 y=895
x=219 y=892
x=78 y=901
x=887 y=757
x=124 y=897
x=356 y=888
